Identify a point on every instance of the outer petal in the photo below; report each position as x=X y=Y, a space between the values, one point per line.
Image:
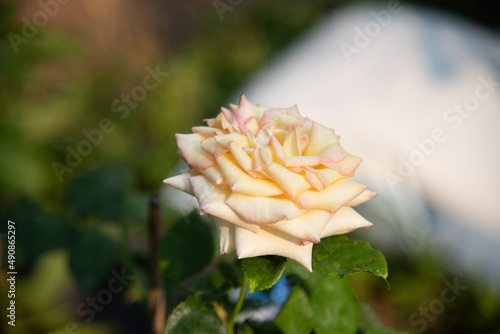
x=291 y=182
x=333 y=197
x=326 y=176
x=226 y=235
x=191 y=152
x=272 y=242
x=306 y=227
x=364 y=197
x=247 y=110
x=206 y=131
x=211 y=200
x=344 y=221
x=263 y=210
x=346 y=167
x=241 y=182
x=181 y=181
x=332 y=153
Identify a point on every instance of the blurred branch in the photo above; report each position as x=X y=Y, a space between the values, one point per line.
x=156 y=297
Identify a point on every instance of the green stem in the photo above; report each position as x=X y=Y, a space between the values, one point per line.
x=239 y=304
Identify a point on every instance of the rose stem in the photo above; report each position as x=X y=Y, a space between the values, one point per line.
x=157 y=299
x=239 y=304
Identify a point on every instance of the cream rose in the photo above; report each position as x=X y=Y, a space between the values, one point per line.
x=272 y=181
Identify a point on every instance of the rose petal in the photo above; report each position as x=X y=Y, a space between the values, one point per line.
x=211 y=199
x=291 y=182
x=313 y=180
x=213 y=122
x=303 y=161
x=364 y=197
x=225 y=230
x=320 y=138
x=242 y=158
x=226 y=124
x=258 y=165
x=263 y=210
x=303 y=142
x=241 y=182
x=247 y=110
x=280 y=134
x=272 y=242
x=278 y=150
x=214 y=175
x=326 y=175
x=229 y=116
x=343 y=221
x=291 y=144
x=263 y=138
x=266 y=154
x=210 y=146
x=190 y=148
x=332 y=153
x=233 y=107
x=234 y=137
x=282 y=118
x=206 y=131
x=333 y=197
x=346 y=167
x=181 y=181
x=306 y=227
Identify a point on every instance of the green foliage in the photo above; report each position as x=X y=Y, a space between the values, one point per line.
x=335 y=307
x=263 y=271
x=186 y=248
x=338 y=256
x=222 y=280
x=91 y=258
x=296 y=316
x=191 y=316
x=383 y=331
x=105 y=193
x=329 y=307
x=36 y=232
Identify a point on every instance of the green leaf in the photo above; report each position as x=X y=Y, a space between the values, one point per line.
x=338 y=256
x=91 y=258
x=296 y=316
x=335 y=307
x=191 y=316
x=263 y=271
x=186 y=248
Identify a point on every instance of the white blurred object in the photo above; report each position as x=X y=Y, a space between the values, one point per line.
x=385 y=80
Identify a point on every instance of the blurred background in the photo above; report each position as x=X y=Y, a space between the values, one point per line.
x=91 y=94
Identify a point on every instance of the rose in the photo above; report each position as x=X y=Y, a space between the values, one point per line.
x=272 y=181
